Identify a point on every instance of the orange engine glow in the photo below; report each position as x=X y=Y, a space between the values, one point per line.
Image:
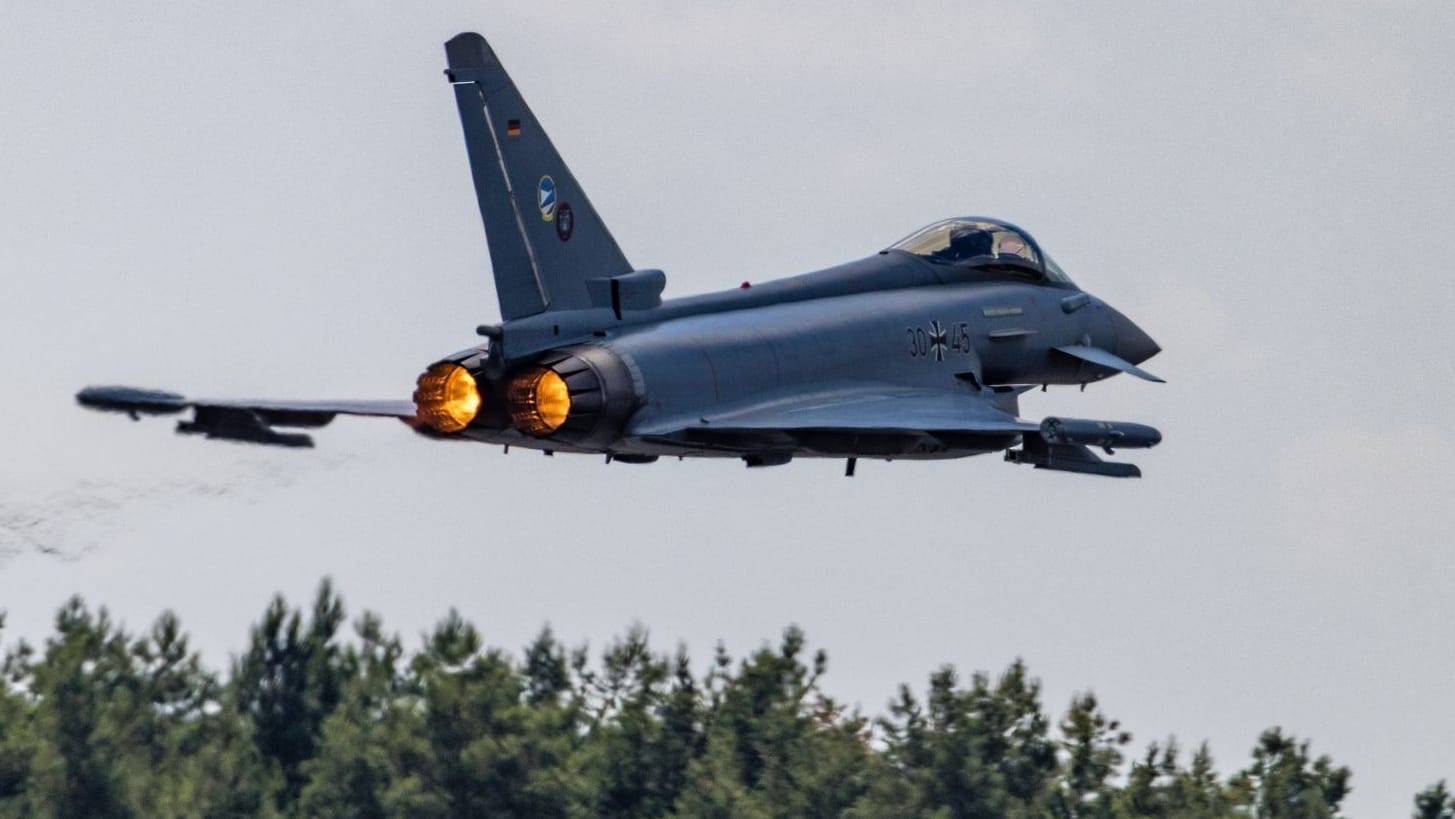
x=539 y=402
x=447 y=398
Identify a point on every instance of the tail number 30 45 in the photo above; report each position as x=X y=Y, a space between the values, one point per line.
x=937 y=340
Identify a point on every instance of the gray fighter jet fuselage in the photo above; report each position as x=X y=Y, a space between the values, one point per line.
x=919 y=351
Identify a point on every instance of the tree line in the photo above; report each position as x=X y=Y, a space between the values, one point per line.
x=312 y=721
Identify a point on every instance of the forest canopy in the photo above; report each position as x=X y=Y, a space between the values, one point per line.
x=320 y=717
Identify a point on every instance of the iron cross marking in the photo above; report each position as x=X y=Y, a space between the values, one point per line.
x=938 y=340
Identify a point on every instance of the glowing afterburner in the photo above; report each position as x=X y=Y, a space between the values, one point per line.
x=447 y=398
x=540 y=401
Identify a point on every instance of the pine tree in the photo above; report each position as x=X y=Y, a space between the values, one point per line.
x=289 y=681
x=1435 y=802
x=1158 y=786
x=622 y=703
x=976 y=752
x=101 y=723
x=776 y=745
x=84 y=673
x=1091 y=744
x=490 y=753
x=372 y=748
x=18 y=743
x=1284 y=783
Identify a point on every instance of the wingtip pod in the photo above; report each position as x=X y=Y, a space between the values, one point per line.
x=131 y=400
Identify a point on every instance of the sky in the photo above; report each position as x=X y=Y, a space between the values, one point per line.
x=273 y=200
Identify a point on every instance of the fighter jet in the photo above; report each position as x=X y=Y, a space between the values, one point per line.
x=919 y=351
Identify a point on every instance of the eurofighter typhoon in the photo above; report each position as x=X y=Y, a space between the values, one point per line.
x=919 y=351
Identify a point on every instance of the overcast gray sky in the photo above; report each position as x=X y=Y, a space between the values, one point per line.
x=273 y=200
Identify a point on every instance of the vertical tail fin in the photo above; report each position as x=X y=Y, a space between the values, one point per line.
x=545 y=238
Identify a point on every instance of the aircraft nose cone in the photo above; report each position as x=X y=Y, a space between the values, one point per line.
x=1133 y=343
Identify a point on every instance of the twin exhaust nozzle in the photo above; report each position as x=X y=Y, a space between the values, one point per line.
x=447 y=398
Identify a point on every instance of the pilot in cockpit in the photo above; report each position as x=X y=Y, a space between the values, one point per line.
x=967 y=243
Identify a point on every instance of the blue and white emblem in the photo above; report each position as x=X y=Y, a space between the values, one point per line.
x=546 y=197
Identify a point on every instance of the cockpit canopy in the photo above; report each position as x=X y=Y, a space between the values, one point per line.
x=980 y=242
